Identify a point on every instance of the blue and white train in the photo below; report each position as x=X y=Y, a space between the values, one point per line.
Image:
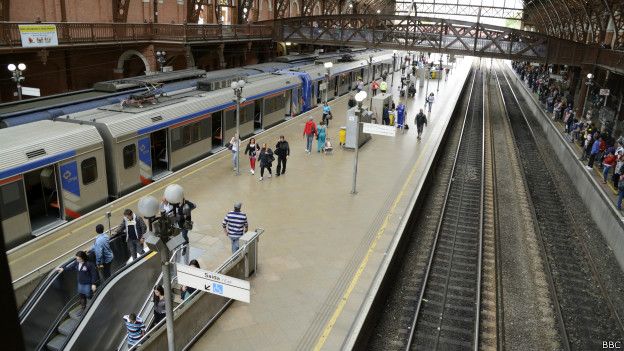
x=53 y=178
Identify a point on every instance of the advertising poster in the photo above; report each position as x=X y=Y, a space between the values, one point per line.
x=38 y=35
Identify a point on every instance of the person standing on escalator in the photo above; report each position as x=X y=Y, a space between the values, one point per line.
x=159 y=305
x=87 y=277
x=103 y=253
x=134 y=227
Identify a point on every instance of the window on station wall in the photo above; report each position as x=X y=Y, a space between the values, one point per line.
x=129 y=156
x=190 y=134
x=88 y=169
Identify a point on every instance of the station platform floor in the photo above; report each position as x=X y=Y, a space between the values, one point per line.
x=322 y=246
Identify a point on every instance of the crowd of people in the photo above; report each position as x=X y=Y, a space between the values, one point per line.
x=600 y=148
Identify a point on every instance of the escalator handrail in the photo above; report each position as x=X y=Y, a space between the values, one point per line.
x=64 y=254
x=149 y=296
x=96 y=294
x=45 y=283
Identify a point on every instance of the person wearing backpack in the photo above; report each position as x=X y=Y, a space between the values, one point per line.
x=309 y=131
x=266 y=159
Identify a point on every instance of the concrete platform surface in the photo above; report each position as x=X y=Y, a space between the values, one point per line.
x=322 y=245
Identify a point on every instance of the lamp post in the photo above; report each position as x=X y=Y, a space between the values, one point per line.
x=18 y=77
x=328 y=66
x=589 y=83
x=245 y=14
x=393 y=68
x=161 y=58
x=359 y=97
x=372 y=76
x=164 y=237
x=238 y=92
x=439 y=74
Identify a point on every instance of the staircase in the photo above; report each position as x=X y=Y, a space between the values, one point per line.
x=65 y=328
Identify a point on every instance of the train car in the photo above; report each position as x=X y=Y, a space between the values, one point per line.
x=49 y=172
x=144 y=143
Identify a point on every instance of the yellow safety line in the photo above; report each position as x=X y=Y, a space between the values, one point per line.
x=126 y=204
x=356 y=277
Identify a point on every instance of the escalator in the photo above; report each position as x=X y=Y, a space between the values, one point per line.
x=51 y=317
x=56 y=295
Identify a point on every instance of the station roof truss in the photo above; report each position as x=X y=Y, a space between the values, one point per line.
x=584 y=21
x=436 y=35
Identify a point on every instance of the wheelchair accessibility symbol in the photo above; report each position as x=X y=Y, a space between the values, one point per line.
x=217 y=288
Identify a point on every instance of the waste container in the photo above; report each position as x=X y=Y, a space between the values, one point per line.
x=342 y=135
x=433 y=74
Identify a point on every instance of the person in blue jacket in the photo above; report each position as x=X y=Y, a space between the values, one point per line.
x=103 y=253
x=87 y=276
x=400 y=113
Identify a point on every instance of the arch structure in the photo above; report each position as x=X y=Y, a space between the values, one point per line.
x=437 y=35
x=127 y=55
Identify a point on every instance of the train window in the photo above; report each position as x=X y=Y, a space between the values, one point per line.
x=129 y=156
x=13 y=201
x=88 y=169
x=274 y=104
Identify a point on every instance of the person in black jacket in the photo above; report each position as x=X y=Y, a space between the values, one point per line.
x=266 y=158
x=183 y=216
x=87 y=276
x=134 y=227
x=420 y=121
x=282 y=150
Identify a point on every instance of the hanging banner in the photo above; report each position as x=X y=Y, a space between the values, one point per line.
x=38 y=35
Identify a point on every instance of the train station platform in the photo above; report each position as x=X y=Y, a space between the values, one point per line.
x=322 y=246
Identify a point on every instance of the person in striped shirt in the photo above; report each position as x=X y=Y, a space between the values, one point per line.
x=135 y=327
x=235 y=225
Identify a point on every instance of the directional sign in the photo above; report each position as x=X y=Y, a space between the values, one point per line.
x=379 y=129
x=31 y=91
x=214 y=283
x=605 y=92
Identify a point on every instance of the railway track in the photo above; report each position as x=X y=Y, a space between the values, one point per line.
x=585 y=312
x=448 y=306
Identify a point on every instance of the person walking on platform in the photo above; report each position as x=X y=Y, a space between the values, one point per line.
x=252 y=150
x=135 y=329
x=420 y=121
x=282 y=150
x=327 y=115
x=266 y=160
x=320 y=138
x=383 y=86
x=309 y=131
x=235 y=225
x=430 y=100
x=360 y=85
x=103 y=253
x=87 y=277
x=374 y=87
x=158 y=298
x=134 y=227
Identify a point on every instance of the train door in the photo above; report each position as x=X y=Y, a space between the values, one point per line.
x=258 y=115
x=321 y=88
x=44 y=208
x=14 y=212
x=159 y=153
x=217 y=129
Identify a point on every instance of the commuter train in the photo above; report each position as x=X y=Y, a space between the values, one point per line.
x=53 y=171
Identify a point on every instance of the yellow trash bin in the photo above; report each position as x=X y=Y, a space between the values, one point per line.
x=342 y=136
x=433 y=74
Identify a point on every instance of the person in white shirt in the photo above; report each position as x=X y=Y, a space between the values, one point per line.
x=429 y=101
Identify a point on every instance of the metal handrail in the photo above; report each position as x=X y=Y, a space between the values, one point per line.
x=235 y=256
x=149 y=296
